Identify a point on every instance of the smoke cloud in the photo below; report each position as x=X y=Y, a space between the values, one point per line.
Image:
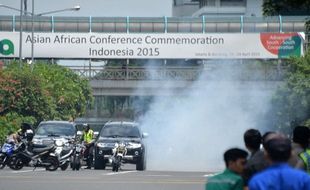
x=190 y=131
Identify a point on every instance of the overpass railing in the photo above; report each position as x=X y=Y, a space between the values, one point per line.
x=156 y=24
x=245 y=72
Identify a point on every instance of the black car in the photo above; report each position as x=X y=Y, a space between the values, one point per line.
x=120 y=132
x=48 y=131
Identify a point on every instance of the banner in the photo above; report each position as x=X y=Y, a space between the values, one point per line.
x=153 y=45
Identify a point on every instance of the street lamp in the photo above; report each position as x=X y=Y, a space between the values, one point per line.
x=75 y=8
x=20 y=27
x=12 y=8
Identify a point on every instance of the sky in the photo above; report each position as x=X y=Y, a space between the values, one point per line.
x=97 y=8
x=94 y=8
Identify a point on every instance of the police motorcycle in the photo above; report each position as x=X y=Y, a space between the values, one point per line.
x=64 y=151
x=6 y=152
x=62 y=134
x=119 y=151
x=77 y=156
x=29 y=155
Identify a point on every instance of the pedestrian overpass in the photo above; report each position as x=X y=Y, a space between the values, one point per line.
x=155 y=24
x=127 y=80
x=164 y=80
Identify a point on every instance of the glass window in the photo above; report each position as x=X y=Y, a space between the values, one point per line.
x=233 y=3
x=56 y=130
x=211 y=3
x=120 y=131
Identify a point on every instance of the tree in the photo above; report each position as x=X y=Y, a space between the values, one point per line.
x=45 y=93
x=70 y=94
x=286 y=7
x=291 y=103
x=22 y=93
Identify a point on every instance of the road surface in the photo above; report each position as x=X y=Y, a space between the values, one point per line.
x=127 y=178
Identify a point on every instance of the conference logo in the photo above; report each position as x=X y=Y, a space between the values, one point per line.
x=283 y=45
x=6 y=47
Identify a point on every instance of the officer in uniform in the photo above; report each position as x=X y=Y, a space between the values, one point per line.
x=87 y=138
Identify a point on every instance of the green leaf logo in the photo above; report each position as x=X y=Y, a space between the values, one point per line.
x=6 y=47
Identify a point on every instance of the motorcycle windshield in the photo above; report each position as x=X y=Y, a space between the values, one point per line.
x=7 y=148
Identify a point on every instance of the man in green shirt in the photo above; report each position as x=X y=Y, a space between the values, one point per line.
x=230 y=179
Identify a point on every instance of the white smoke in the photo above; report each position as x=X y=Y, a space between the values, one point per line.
x=190 y=131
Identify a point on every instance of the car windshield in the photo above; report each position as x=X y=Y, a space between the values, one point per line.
x=120 y=131
x=56 y=129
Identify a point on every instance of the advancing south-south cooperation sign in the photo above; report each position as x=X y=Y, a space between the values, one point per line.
x=153 y=45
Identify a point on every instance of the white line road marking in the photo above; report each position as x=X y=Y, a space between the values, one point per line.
x=24 y=171
x=209 y=175
x=117 y=173
x=159 y=175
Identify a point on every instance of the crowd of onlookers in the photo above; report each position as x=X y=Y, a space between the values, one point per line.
x=272 y=161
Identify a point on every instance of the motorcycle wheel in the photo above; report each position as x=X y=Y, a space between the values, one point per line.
x=16 y=163
x=76 y=163
x=64 y=166
x=54 y=163
x=114 y=167
x=73 y=167
x=3 y=159
x=77 y=167
x=116 y=164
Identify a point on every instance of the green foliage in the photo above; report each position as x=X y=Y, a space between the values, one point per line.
x=10 y=123
x=21 y=92
x=291 y=103
x=286 y=7
x=45 y=92
x=270 y=8
x=69 y=93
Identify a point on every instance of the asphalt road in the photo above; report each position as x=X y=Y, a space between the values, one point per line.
x=128 y=178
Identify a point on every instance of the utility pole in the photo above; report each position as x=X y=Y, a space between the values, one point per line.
x=25 y=7
x=21 y=34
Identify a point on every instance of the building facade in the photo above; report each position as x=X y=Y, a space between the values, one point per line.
x=221 y=8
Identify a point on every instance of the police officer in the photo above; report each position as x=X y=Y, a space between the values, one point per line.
x=305 y=164
x=87 y=138
x=25 y=132
x=301 y=150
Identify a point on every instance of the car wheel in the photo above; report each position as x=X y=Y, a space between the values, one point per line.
x=141 y=163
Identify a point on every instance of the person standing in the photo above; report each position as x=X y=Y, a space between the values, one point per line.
x=87 y=138
x=301 y=153
x=24 y=133
x=257 y=162
x=230 y=179
x=279 y=175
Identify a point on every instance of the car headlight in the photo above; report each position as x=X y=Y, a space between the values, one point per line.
x=134 y=145
x=37 y=141
x=59 y=143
